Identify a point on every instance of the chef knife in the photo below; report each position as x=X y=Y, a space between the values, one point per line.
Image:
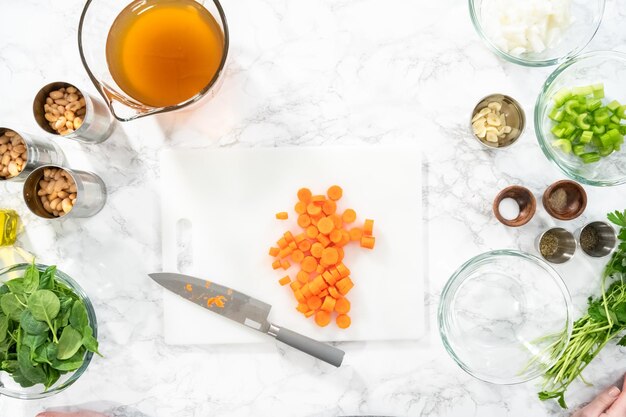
x=245 y=310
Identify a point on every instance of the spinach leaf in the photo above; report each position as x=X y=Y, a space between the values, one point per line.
x=9 y=366
x=32 y=325
x=4 y=289
x=16 y=286
x=79 y=318
x=12 y=306
x=34 y=374
x=46 y=280
x=19 y=377
x=70 y=364
x=90 y=342
x=4 y=327
x=33 y=341
x=41 y=354
x=52 y=376
x=31 y=278
x=44 y=305
x=70 y=341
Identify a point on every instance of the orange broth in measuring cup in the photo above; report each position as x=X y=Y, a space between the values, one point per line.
x=164 y=52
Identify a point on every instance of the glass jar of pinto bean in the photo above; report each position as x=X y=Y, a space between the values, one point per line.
x=62 y=109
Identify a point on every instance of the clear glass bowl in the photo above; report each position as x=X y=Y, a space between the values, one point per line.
x=12 y=389
x=501 y=314
x=590 y=68
x=586 y=18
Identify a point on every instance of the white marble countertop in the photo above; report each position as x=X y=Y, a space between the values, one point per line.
x=329 y=72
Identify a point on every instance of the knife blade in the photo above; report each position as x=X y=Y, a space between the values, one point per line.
x=245 y=310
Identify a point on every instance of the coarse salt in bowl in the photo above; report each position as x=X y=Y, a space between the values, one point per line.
x=536 y=32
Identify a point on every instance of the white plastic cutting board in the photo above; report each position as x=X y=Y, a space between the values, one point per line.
x=226 y=200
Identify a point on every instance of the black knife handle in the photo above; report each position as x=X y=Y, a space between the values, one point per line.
x=319 y=350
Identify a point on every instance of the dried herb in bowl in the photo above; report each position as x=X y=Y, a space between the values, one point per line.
x=44 y=328
x=604 y=320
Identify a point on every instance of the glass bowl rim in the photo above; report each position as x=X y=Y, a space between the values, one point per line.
x=454 y=279
x=542 y=100
x=527 y=62
x=75 y=375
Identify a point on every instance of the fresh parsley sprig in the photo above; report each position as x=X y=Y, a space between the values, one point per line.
x=605 y=320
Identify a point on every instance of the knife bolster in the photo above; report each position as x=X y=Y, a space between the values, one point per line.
x=273 y=331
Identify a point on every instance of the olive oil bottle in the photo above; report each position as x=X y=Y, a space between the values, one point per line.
x=9 y=221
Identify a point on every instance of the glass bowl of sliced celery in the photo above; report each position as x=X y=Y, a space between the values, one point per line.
x=580 y=118
x=536 y=33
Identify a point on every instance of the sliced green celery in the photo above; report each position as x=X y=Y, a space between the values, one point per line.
x=590 y=157
x=615 y=119
x=579 y=150
x=612 y=126
x=584 y=90
x=621 y=112
x=586 y=136
x=596 y=141
x=602 y=116
x=557 y=114
x=580 y=121
x=614 y=135
x=593 y=104
x=558 y=131
x=606 y=151
x=561 y=96
x=607 y=141
x=622 y=129
x=614 y=105
x=572 y=107
x=598 y=129
x=564 y=144
x=598 y=90
x=570 y=128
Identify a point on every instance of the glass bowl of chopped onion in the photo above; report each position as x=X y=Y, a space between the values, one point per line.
x=505 y=317
x=536 y=33
x=580 y=118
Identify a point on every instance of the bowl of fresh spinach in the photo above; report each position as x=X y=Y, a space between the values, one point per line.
x=48 y=331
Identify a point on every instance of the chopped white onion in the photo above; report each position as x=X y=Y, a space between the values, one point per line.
x=526 y=26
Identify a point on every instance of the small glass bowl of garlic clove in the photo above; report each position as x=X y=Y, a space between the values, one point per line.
x=497 y=121
x=63 y=109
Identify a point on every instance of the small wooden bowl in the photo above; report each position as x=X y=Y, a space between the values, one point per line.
x=575 y=204
x=524 y=198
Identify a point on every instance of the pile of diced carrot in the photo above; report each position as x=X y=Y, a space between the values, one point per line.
x=323 y=281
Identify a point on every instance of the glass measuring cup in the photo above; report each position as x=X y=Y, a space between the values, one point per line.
x=93 y=29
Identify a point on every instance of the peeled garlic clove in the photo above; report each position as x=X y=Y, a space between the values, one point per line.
x=493 y=120
x=492 y=137
x=481 y=113
x=479 y=129
x=507 y=129
x=495 y=106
